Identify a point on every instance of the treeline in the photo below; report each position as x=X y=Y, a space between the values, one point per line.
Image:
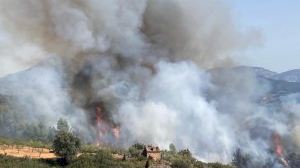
x=14 y=126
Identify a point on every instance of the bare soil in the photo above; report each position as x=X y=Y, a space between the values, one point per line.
x=26 y=151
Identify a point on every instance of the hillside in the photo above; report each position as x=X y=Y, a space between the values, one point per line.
x=275 y=85
x=280 y=84
x=259 y=71
x=290 y=76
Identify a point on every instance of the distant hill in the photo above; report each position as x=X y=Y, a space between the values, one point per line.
x=279 y=84
x=290 y=76
x=259 y=71
x=282 y=83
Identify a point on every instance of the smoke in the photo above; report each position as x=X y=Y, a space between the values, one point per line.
x=292 y=107
x=145 y=63
x=174 y=109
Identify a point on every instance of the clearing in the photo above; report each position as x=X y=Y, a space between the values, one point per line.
x=26 y=151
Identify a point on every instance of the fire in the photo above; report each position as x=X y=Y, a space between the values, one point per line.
x=101 y=125
x=278 y=144
x=279 y=149
x=105 y=127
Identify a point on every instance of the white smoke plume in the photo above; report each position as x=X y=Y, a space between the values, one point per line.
x=146 y=61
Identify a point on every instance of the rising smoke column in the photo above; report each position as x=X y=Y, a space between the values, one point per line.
x=145 y=61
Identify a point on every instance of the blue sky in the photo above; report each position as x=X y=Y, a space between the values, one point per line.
x=279 y=23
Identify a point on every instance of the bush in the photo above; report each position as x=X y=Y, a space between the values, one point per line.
x=136 y=150
x=185 y=153
x=89 y=149
x=199 y=164
x=85 y=160
x=181 y=163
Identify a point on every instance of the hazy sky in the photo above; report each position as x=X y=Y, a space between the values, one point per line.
x=279 y=22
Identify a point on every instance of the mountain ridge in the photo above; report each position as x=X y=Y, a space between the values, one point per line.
x=289 y=76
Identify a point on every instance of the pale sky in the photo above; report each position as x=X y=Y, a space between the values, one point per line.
x=279 y=23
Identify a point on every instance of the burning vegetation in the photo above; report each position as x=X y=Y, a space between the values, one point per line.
x=279 y=150
x=107 y=132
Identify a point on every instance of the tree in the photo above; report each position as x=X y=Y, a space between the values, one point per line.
x=241 y=160
x=65 y=143
x=172 y=148
x=62 y=125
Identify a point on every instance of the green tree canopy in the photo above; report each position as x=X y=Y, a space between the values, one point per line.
x=62 y=125
x=65 y=143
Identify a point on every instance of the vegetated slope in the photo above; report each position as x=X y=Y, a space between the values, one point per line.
x=278 y=89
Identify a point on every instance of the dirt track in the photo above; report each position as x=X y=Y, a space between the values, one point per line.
x=25 y=151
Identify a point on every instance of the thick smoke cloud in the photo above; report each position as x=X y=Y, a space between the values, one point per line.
x=146 y=62
x=174 y=109
x=135 y=29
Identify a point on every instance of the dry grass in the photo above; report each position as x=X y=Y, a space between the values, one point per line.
x=26 y=151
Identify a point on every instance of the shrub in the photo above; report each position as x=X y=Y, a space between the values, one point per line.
x=185 y=153
x=136 y=150
x=181 y=163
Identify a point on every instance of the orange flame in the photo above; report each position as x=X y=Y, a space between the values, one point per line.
x=279 y=149
x=278 y=144
x=101 y=125
x=104 y=127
